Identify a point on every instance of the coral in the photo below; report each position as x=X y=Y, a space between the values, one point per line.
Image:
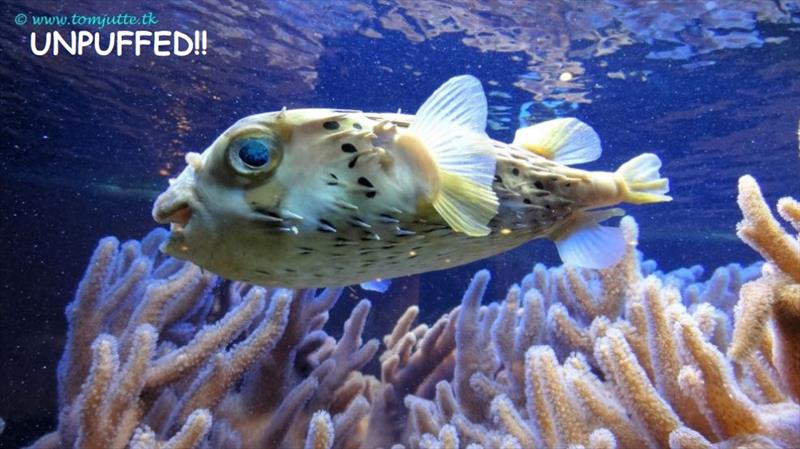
x=775 y=297
x=624 y=357
x=162 y=354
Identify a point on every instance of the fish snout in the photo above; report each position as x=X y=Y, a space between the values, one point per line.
x=173 y=206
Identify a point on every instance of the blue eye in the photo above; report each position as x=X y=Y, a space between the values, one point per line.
x=255 y=153
x=255 y=156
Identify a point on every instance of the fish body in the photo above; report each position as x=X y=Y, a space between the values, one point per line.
x=323 y=197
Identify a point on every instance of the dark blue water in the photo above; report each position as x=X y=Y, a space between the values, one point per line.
x=89 y=141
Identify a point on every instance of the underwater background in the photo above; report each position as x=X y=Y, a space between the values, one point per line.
x=712 y=87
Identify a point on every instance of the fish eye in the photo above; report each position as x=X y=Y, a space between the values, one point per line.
x=250 y=155
x=254 y=153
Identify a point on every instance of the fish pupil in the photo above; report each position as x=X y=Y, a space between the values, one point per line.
x=254 y=153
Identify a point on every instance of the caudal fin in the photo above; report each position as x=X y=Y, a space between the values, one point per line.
x=643 y=182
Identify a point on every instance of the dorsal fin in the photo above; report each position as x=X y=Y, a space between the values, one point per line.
x=567 y=141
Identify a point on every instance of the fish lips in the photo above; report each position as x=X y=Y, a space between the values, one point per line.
x=178 y=207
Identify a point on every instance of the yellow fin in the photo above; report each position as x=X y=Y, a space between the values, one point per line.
x=567 y=141
x=643 y=182
x=450 y=128
x=466 y=205
x=583 y=242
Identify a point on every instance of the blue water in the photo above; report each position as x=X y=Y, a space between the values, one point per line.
x=89 y=141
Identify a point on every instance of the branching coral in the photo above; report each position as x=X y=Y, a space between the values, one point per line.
x=776 y=295
x=161 y=354
x=649 y=370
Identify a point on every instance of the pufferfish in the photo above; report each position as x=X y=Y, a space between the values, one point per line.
x=328 y=197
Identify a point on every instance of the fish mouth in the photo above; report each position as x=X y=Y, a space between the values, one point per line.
x=174 y=209
x=177 y=213
x=179 y=218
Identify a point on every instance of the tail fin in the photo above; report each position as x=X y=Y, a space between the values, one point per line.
x=643 y=183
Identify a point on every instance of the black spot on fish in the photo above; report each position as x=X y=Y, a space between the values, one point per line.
x=364 y=182
x=290 y=270
x=497 y=178
x=331 y=125
x=539 y=185
x=334 y=176
x=264 y=272
x=515 y=171
x=371 y=194
x=353 y=162
x=332 y=183
x=357 y=125
x=526 y=201
x=569 y=184
x=349 y=148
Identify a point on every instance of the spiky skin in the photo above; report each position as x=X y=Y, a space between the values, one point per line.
x=341 y=209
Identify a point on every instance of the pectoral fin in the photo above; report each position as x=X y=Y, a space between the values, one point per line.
x=465 y=205
x=451 y=124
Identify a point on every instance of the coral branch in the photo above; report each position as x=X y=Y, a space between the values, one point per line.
x=763 y=233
